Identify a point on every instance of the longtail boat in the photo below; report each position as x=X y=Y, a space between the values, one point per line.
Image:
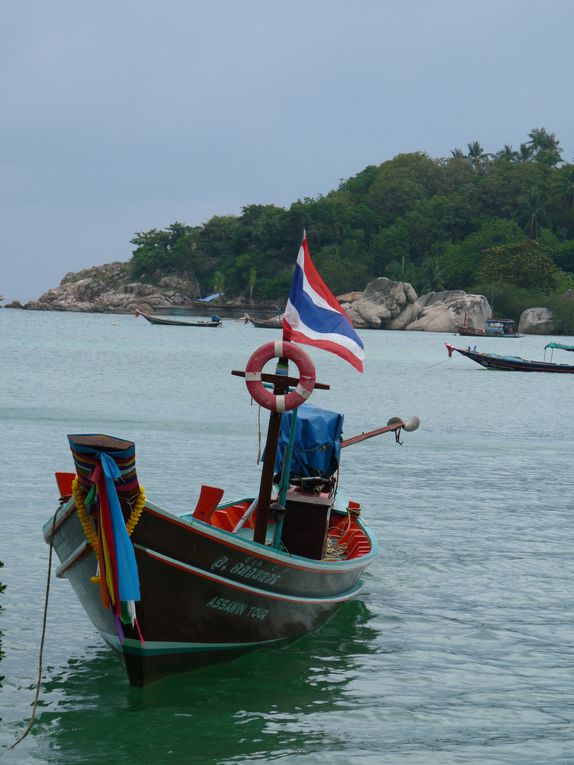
x=515 y=363
x=215 y=321
x=275 y=322
x=172 y=593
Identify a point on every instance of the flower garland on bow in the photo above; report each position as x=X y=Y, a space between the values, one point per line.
x=88 y=524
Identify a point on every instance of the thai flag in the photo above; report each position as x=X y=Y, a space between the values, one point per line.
x=314 y=316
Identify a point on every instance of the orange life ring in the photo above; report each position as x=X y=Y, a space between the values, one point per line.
x=267 y=399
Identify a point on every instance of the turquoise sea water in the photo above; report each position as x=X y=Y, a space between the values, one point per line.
x=460 y=647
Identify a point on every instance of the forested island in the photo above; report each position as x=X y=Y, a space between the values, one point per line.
x=497 y=224
x=500 y=225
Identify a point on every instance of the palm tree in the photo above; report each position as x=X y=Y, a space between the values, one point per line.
x=565 y=185
x=476 y=155
x=457 y=153
x=545 y=147
x=525 y=153
x=432 y=276
x=219 y=282
x=251 y=282
x=534 y=213
x=507 y=154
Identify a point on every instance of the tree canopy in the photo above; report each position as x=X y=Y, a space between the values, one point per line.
x=439 y=223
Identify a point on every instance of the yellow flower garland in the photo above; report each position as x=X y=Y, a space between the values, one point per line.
x=88 y=524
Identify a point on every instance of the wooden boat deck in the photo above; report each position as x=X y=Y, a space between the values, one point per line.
x=345 y=538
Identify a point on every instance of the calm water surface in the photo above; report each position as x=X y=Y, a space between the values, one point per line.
x=458 y=650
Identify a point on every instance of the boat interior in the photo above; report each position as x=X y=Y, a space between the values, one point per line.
x=311 y=525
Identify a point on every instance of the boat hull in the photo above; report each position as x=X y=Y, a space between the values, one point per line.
x=207 y=596
x=275 y=322
x=177 y=322
x=514 y=364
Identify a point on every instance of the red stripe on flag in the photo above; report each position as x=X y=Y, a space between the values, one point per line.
x=314 y=279
x=326 y=345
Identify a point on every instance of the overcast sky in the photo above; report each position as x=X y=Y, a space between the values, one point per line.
x=126 y=115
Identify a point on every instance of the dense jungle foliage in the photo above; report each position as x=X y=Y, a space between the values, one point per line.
x=499 y=224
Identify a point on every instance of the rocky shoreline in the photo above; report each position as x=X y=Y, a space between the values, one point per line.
x=383 y=304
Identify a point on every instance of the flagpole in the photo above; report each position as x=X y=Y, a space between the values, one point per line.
x=312 y=311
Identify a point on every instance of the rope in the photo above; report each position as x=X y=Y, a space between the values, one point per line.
x=258 y=435
x=42 y=641
x=438 y=364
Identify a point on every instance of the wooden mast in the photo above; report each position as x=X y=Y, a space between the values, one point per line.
x=266 y=484
x=281 y=384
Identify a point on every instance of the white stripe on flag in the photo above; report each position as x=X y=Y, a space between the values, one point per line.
x=292 y=316
x=315 y=297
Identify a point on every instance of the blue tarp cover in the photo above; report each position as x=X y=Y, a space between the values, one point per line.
x=209 y=298
x=317 y=442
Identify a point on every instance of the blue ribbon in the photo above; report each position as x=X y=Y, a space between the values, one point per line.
x=128 y=579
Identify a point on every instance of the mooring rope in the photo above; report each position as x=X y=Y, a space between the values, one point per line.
x=42 y=641
x=438 y=363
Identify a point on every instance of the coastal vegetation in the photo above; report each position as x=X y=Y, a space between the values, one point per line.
x=501 y=224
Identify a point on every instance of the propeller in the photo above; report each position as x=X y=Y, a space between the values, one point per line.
x=394 y=425
x=411 y=424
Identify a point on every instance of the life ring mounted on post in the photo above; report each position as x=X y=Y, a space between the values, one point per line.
x=280 y=349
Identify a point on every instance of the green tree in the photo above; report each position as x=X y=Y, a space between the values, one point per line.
x=506 y=184
x=401 y=183
x=388 y=245
x=545 y=147
x=432 y=278
x=534 y=212
x=460 y=262
x=564 y=185
x=162 y=251
x=507 y=154
x=477 y=156
x=525 y=153
x=340 y=267
x=525 y=264
x=219 y=282
x=251 y=282
x=402 y=271
x=422 y=219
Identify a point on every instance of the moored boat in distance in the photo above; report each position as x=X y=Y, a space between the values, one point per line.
x=515 y=363
x=275 y=322
x=215 y=321
x=492 y=328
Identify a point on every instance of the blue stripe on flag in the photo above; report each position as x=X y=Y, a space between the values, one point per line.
x=324 y=320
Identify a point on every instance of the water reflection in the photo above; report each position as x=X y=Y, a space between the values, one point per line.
x=261 y=705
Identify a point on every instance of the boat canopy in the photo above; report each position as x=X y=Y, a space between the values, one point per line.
x=317 y=444
x=560 y=346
